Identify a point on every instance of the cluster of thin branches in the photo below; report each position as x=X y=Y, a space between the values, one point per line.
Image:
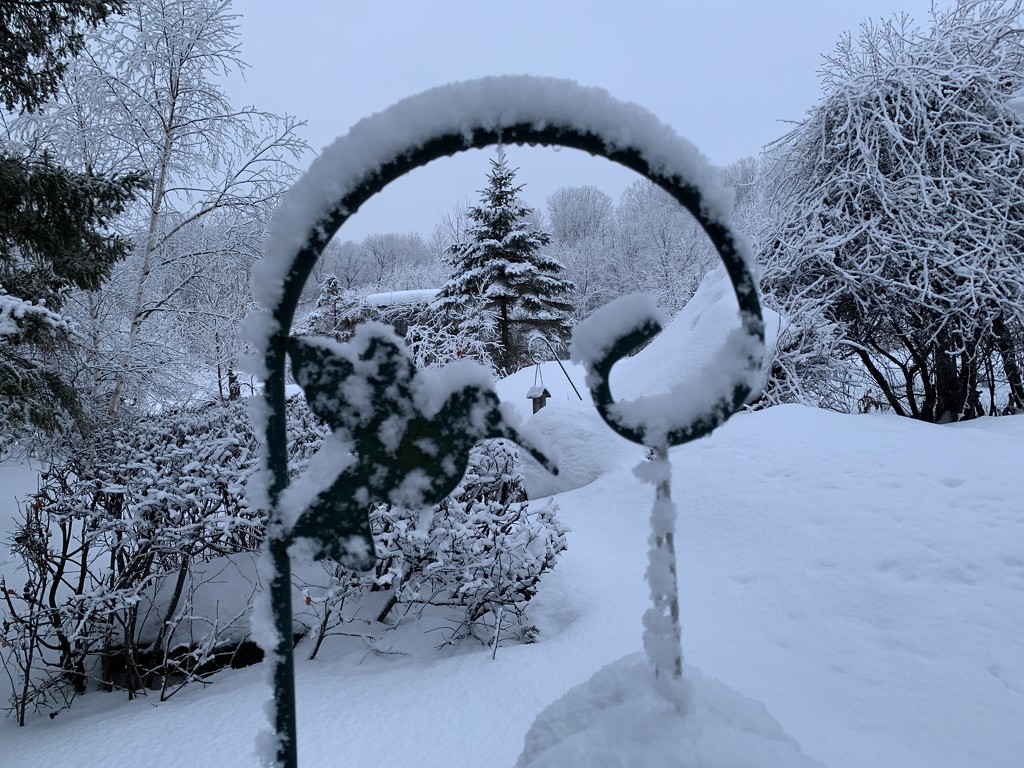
x=898 y=228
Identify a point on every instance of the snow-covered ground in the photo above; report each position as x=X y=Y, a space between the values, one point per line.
x=16 y=480
x=863 y=576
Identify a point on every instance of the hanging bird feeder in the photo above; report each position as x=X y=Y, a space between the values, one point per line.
x=538 y=393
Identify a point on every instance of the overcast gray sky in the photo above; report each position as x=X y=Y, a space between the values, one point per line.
x=726 y=75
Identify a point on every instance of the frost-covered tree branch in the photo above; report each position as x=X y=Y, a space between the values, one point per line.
x=898 y=233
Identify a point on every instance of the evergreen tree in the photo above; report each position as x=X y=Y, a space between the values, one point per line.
x=54 y=232
x=502 y=270
x=37 y=40
x=333 y=311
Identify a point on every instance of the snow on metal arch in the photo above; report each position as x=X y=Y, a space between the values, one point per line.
x=473 y=115
x=414 y=132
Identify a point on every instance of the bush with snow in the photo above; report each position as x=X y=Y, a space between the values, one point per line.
x=483 y=549
x=136 y=554
x=895 y=249
x=120 y=519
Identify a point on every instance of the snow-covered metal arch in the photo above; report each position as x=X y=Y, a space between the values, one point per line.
x=412 y=133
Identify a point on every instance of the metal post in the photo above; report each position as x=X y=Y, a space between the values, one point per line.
x=334 y=519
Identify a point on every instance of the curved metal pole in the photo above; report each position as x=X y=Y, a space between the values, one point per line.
x=554 y=356
x=682 y=190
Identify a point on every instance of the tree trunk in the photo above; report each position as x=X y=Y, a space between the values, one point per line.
x=954 y=385
x=137 y=317
x=506 y=340
x=234 y=386
x=1008 y=355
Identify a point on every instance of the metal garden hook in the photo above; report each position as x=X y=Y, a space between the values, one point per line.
x=432 y=444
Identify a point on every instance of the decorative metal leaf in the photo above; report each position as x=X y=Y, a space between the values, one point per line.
x=402 y=455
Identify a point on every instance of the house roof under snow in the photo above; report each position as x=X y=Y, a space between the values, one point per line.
x=393 y=298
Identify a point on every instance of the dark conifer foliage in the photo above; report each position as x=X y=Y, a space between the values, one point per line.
x=502 y=270
x=54 y=222
x=37 y=39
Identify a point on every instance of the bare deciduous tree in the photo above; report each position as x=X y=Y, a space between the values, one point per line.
x=148 y=94
x=899 y=230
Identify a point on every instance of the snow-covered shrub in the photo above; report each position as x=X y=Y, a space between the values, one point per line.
x=464 y=333
x=897 y=227
x=336 y=312
x=135 y=535
x=810 y=365
x=483 y=549
x=474 y=561
x=107 y=545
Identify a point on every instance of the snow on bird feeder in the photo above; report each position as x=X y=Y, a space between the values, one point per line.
x=405 y=434
x=539 y=394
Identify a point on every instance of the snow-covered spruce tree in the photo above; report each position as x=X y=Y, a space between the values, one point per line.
x=502 y=268
x=53 y=220
x=37 y=41
x=898 y=226
x=53 y=239
x=334 y=313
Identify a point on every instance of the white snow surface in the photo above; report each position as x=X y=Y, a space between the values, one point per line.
x=592 y=339
x=616 y=720
x=14 y=310
x=690 y=344
x=861 y=575
x=490 y=103
x=397 y=298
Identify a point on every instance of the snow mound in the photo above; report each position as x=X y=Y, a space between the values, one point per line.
x=570 y=429
x=513 y=388
x=617 y=719
x=689 y=343
x=583 y=447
